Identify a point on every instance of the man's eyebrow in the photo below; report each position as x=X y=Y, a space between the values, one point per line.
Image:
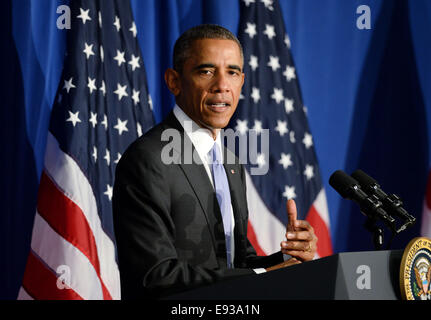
x=235 y=67
x=210 y=65
x=204 y=65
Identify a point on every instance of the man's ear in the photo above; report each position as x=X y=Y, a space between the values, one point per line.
x=172 y=79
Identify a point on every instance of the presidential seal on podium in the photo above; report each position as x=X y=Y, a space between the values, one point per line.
x=415 y=270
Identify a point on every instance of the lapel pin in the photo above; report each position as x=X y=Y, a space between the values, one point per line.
x=232 y=171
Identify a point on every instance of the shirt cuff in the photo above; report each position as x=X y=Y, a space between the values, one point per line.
x=286 y=257
x=259 y=270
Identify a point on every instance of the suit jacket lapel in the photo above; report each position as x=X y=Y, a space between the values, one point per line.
x=239 y=207
x=236 y=187
x=202 y=187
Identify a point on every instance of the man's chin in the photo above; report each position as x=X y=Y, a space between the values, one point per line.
x=217 y=125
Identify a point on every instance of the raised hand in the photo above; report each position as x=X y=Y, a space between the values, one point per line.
x=301 y=241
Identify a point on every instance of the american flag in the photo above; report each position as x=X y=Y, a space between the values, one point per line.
x=102 y=105
x=271 y=99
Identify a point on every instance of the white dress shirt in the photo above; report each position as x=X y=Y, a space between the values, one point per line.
x=203 y=142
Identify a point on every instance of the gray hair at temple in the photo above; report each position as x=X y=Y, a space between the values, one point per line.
x=204 y=31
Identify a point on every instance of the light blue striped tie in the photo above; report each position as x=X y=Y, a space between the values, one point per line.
x=221 y=186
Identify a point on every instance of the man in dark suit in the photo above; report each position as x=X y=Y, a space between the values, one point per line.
x=179 y=220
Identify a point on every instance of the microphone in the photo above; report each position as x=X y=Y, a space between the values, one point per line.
x=391 y=203
x=350 y=189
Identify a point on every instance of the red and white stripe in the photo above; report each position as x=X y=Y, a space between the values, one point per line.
x=318 y=217
x=426 y=213
x=265 y=231
x=68 y=233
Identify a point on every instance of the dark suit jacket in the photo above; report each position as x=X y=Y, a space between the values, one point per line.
x=168 y=224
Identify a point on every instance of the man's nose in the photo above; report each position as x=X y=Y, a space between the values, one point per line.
x=221 y=83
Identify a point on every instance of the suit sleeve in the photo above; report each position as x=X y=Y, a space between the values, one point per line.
x=145 y=232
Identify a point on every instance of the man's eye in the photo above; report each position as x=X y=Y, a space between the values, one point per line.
x=205 y=72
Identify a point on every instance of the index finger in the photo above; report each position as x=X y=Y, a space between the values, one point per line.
x=303 y=225
x=291 y=214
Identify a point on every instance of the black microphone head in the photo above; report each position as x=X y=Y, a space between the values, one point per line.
x=342 y=183
x=364 y=179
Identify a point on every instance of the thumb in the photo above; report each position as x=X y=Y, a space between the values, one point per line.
x=291 y=214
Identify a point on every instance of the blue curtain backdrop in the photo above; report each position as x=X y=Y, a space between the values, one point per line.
x=368 y=94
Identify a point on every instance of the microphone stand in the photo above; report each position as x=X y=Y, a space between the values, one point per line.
x=377 y=233
x=375 y=204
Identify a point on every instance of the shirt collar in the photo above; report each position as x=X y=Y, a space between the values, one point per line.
x=201 y=138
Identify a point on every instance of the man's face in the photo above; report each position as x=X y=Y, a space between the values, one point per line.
x=209 y=86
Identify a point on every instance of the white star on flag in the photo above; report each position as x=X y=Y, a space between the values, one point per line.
x=309 y=171
x=288 y=105
x=84 y=15
x=107 y=157
x=289 y=192
x=135 y=97
x=139 y=129
x=268 y=4
x=258 y=126
x=269 y=31
x=134 y=62
x=93 y=119
x=253 y=62
x=260 y=160
x=121 y=126
x=120 y=57
x=94 y=154
x=241 y=126
x=133 y=29
x=103 y=88
x=68 y=85
x=273 y=63
x=117 y=23
x=121 y=91
x=287 y=40
x=289 y=73
x=277 y=95
x=73 y=117
x=251 y=30
x=118 y=158
x=108 y=192
x=281 y=127
x=150 y=102
x=105 y=122
x=255 y=94
x=292 y=136
x=308 y=140
x=285 y=160
x=91 y=85
x=88 y=50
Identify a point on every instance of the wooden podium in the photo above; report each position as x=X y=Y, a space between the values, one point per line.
x=370 y=275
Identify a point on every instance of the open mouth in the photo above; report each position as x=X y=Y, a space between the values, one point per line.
x=218 y=106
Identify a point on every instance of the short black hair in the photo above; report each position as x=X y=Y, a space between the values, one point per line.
x=203 y=31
